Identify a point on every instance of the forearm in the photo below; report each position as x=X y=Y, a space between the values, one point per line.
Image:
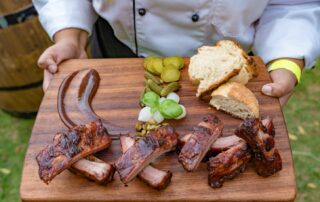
x=77 y=37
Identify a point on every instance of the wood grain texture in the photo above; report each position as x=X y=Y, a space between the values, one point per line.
x=117 y=101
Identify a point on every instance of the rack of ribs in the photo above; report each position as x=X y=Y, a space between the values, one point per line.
x=94 y=169
x=150 y=175
x=67 y=148
x=228 y=164
x=200 y=141
x=267 y=159
x=144 y=151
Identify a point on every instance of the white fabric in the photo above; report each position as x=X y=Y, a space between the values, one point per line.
x=275 y=28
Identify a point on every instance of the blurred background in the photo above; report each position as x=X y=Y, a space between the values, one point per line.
x=22 y=40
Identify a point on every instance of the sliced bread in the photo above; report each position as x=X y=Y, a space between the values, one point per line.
x=236 y=99
x=214 y=65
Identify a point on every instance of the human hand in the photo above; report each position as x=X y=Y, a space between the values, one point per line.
x=69 y=44
x=283 y=83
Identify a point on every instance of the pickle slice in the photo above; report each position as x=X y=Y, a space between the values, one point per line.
x=170 y=73
x=175 y=61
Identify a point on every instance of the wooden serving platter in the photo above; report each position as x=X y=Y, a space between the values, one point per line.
x=117 y=101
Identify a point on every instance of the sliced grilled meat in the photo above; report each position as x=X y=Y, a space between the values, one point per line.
x=221 y=144
x=152 y=176
x=228 y=164
x=144 y=151
x=268 y=126
x=267 y=159
x=198 y=144
x=94 y=169
x=67 y=148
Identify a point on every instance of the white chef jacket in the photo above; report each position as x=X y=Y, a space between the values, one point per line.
x=271 y=28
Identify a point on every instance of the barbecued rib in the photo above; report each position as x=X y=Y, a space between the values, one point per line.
x=144 y=151
x=152 y=176
x=267 y=159
x=198 y=144
x=67 y=148
x=228 y=164
x=221 y=144
x=268 y=126
x=226 y=142
x=94 y=169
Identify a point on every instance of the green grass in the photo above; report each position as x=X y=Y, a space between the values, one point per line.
x=14 y=136
x=302 y=114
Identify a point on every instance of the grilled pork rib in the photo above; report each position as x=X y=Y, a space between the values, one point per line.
x=94 y=169
x=221 y=144
x=153 y=177
x=67 y=148
x=144 y=151
x=198 y=144
x=228 y=164
x=267 y=160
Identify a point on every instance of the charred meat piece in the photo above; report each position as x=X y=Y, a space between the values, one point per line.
x=144 y=151
x=267 y=160
x=94 y=169
x=198 y=144
x=221 y=144
x=228 y=164
x=268 y=126
x=67 y=148
x=152 y=176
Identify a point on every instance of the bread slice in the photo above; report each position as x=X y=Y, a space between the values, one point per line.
x=235 y=99
x=247 y=72
x=214 y=65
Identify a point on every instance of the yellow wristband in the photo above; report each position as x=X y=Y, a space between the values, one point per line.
x=288 y=65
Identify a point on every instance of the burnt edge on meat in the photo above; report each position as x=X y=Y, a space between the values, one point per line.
x=147 y=175
x=100 y=172
x=228 y=164
x=200 y=142
x=267 y=160
x=144 y=151
x=67 y=148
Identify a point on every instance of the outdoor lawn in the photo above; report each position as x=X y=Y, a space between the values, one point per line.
x=302 y=116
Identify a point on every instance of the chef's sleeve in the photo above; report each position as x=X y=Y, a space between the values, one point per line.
x=289 y=28
x=56 y=15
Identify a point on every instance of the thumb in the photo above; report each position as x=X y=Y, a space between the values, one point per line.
x=275 y=89
x=52 y=66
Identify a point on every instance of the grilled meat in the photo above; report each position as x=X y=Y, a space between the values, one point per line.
x=152 y=176
x=228 y=164
x=94 y=169
x=267 y=159
x=198 y=144
x=144 y=151
x=67 y=148
x=221 y=144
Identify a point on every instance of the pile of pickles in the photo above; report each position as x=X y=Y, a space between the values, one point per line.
x=162 y=74
x=158 y=100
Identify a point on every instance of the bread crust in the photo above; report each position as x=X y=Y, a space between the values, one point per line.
x=240 y=93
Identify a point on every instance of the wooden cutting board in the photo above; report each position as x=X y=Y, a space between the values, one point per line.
x=117 y=101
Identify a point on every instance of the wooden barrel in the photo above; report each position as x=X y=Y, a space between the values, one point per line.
x=22 y=40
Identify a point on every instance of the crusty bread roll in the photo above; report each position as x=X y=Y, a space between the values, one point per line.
x=235 y=99
x=214 y=65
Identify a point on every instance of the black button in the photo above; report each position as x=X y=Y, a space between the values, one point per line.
x=142 y=11
x=195 y=17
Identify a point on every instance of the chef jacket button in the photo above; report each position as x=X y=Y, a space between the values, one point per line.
x=195 y=17
x=142 y=11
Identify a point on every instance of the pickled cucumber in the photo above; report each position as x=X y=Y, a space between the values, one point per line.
x=147 y=60
x=174 y=60
x=156 y=66
x=170 y=73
